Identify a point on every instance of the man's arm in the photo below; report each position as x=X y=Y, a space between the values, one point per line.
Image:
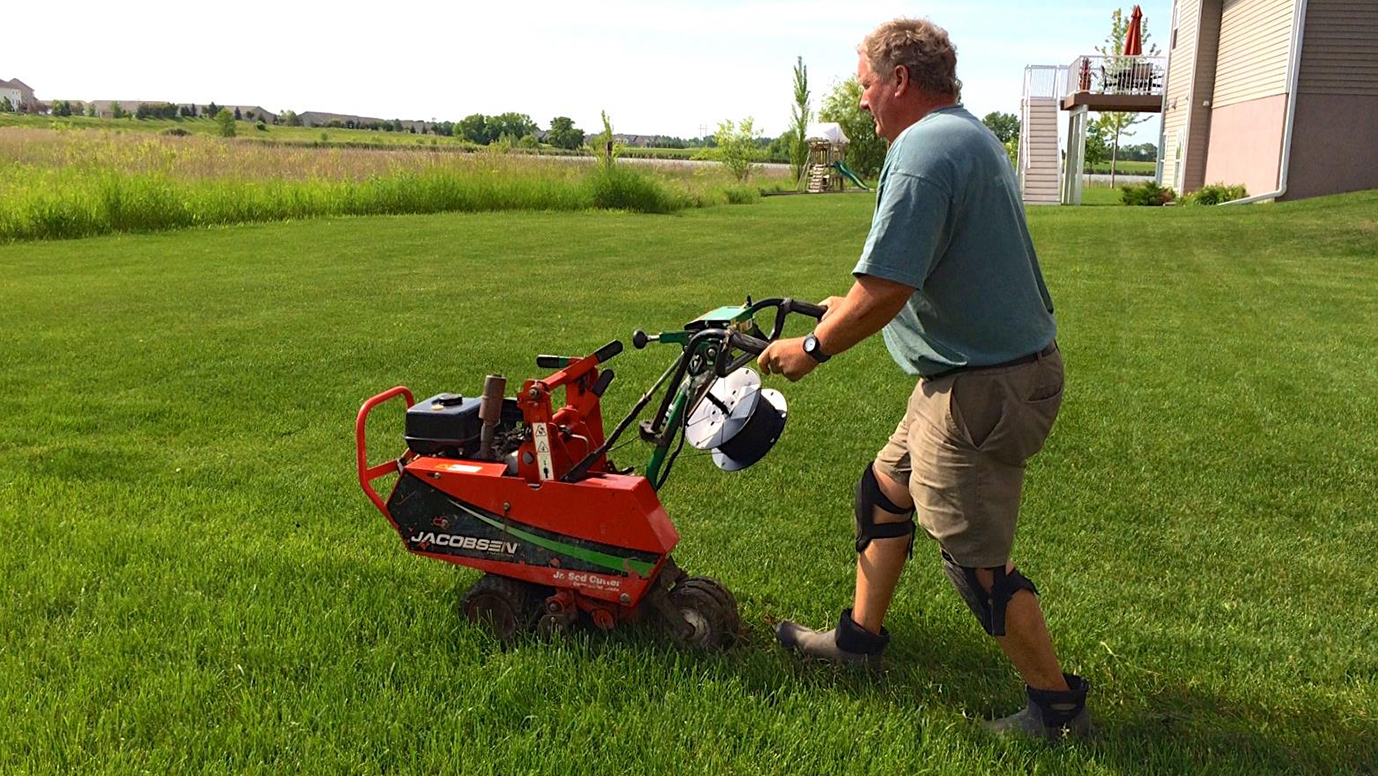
x=868 y=306
x=871 y=304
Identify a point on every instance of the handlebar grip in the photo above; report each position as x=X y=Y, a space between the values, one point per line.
x=751 y=347
x=807 y=308
x=748 y=343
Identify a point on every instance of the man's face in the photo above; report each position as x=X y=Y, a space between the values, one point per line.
x=878 y=97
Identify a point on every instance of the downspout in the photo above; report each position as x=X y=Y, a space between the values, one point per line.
x=1298 y=29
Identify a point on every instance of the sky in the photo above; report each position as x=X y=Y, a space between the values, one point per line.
x=656 y=67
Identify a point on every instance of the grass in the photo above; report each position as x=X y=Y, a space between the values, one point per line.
x=244 y=130
x=1123 y=167
x=193 y=582
x=65 y=184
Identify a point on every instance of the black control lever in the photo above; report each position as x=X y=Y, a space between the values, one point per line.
x=604 y=380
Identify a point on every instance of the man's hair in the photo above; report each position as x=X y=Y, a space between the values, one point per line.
x=920 y=46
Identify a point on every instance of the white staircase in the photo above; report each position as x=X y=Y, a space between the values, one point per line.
x=1040 y=157
x=1039 y=162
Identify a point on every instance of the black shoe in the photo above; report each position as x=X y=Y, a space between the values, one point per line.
x=848 y=643
x=1050 y=714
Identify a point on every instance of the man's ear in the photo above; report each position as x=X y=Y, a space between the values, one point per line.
x=902 y=82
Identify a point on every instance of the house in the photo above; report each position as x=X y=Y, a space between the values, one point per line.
x=12 y=94
x=21 y=96
x=105 y=109
x=1277 y=95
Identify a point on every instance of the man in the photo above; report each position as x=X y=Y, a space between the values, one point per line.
x=949 y=272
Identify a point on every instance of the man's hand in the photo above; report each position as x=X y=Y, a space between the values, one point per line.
x=786 y=357
x=832 y=303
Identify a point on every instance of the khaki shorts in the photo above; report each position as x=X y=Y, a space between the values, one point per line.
x=961 y=448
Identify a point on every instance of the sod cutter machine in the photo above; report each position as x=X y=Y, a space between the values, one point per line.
x=527 y=493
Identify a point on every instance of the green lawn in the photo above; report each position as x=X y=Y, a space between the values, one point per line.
x=1124 y=167
x=194 y=583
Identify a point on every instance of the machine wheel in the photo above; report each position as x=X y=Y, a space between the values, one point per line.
x=710 y=610
x=503 y=606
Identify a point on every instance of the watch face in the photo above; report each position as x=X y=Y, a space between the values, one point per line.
x=811 y=345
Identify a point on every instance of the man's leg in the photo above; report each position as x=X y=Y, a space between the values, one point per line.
x=879 y=566
x=1026 y=642
x=884 y=538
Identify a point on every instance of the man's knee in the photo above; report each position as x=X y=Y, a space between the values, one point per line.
x=895 y=491
x=987 y=591
x=897 y=520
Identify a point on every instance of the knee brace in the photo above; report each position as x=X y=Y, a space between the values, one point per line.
x=989 y=608
x=868 y=496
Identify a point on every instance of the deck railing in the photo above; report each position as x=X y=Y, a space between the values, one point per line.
x=1138 y=75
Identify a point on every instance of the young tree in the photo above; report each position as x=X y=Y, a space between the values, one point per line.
x=226 y=121
x=1115 y=124
x=866 y=152
x=563 y=133
x=1004 y=125
x=799 y=122
x=212 y=110
x=5 y=105
x=237 y=115
x=91 y=109
x=736 y=147
x=603 y=146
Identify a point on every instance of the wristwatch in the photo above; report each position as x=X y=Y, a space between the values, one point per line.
x=814 y=349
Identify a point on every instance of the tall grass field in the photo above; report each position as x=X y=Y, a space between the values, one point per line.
x=67 y=184
x=191 y=580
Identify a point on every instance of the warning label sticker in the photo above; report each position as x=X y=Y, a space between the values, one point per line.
x=541 y=432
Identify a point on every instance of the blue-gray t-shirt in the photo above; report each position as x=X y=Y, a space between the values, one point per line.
x=949 y=221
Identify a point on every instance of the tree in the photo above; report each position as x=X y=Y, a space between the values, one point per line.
x=1097 y=141
x=237 y=115
x=563 y=133
x=474 y=128
x=226 y=121
x=1115 y=124
x=518 y=125
x=291 y=119
x=212 y=110
x=117 y=111
x=604 y=146
x=91 y=109
x=1004 y=125
x=799 y=123
x=5 y=105
x=736 y=148
x=866 y=152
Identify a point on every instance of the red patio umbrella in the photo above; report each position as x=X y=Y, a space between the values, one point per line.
x=1134 y=36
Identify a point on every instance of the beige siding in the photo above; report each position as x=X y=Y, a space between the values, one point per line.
x=1199 y=125
x=1255 y=47
x=1177 y=99
x=1340 y=52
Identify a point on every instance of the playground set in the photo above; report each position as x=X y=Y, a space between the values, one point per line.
x=827 y=167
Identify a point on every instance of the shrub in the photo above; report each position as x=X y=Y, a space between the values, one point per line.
x=1215 y=194
x=622 y=188
x=742 y=195
x=260 y=126
x=1147 y=193
x=226 y=121
x=175 y=132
